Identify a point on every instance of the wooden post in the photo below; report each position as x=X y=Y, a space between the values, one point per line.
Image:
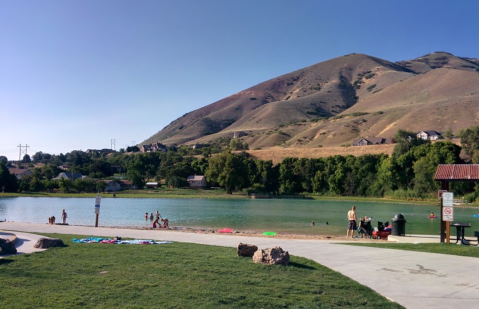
x=96 y=221
x=448 y=232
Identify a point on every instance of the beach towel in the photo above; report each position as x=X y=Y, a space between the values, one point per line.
x=89 y=240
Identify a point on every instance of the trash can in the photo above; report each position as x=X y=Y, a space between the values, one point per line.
x=399 y=225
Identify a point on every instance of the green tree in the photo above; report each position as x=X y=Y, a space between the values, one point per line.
x=8 y=182
x=424 y=171
x=238 y=144
x=51 y=185
x=227 y=170
x=470 y=140
x=178 y=182
x=405 y=140
x=448 y=134
x=101 y=186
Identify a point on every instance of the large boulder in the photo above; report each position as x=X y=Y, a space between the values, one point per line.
x=7 y=247
x=246 y=250
x=45 y=243
x=271 y=256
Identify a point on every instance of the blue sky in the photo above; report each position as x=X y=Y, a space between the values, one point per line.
x=77 y=74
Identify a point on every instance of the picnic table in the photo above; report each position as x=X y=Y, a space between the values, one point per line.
x=460 y=232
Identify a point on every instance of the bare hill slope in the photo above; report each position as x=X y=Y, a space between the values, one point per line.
x=332 y=102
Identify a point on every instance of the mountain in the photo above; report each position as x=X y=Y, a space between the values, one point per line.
x=332 y=102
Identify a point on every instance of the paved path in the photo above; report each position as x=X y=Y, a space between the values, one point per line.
x=413 y=279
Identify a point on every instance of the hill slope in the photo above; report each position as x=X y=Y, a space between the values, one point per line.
x=332 y=102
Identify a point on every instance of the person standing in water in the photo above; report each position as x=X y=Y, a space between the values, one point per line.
x=64 y=216
x=352 y=222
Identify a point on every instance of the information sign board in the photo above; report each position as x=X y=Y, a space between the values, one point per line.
x=448 y=199
x=440 y=192
x=448 y=213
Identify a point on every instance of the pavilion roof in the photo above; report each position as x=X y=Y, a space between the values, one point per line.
x=457 y=172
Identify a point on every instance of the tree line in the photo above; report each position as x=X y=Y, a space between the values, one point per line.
x=408 y=172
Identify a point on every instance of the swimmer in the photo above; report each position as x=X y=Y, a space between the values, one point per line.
x=327 y=223
x=151 y=216
x=146 y=216
x=312 y=223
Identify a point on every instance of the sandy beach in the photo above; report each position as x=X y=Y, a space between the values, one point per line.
x=251 y=233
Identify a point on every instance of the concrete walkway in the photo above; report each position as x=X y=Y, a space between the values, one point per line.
x=413 y=279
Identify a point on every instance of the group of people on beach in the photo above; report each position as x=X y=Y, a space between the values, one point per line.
x=51 y=220
x=353 y=223
x=156 y=223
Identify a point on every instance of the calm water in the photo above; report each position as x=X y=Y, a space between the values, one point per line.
x=287 y=216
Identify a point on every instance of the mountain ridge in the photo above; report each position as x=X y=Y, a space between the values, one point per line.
x=312 y=107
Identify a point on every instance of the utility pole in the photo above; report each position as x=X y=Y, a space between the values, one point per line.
x=22 y=151
x=113 y=144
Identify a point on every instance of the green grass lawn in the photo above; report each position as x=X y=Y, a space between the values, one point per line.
x=176 y=275
x=442 y=248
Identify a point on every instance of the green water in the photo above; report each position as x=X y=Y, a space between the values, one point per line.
x=278 y=215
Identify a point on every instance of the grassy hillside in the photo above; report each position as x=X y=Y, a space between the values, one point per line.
x=333 y=102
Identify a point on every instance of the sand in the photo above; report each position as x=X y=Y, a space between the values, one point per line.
x=250 y=233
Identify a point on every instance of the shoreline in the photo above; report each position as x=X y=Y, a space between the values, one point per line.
x=158 y=195
x=246 y=233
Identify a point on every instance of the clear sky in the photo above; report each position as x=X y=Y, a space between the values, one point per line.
x=76 y=74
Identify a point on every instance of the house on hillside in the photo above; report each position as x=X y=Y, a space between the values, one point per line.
x=197 y=181
x=153 y=147
x=238 y=134
x=429 y=135
x=20 y=172
x=64 y=167
x=372 y=141
x=69 y=176
x=112 y=186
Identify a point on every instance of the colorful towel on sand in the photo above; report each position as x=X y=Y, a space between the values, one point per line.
x=89 y=240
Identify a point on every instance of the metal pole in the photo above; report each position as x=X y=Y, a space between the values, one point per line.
x=444 y=186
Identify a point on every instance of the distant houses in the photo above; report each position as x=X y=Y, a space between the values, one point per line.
x=127 y=185
x=112 y=185
x=197 y=181
x=69 y=176
x=153 y=147
x=429 y=135
x=372 y=141
x=238 y=134
x=20 y=172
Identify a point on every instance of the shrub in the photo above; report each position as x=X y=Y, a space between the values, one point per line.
x=378 y=113
x=371 y=87
x=471 y=197
x=252 y=99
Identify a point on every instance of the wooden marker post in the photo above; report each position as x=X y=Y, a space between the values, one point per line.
x=97 y=209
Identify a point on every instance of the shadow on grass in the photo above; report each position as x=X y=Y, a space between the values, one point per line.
x=5 y=261
x=302 y=266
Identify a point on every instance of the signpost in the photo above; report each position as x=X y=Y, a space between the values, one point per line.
x=447 y=212
x=97 y=208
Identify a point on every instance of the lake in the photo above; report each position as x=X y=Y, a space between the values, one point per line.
x=279 y=215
